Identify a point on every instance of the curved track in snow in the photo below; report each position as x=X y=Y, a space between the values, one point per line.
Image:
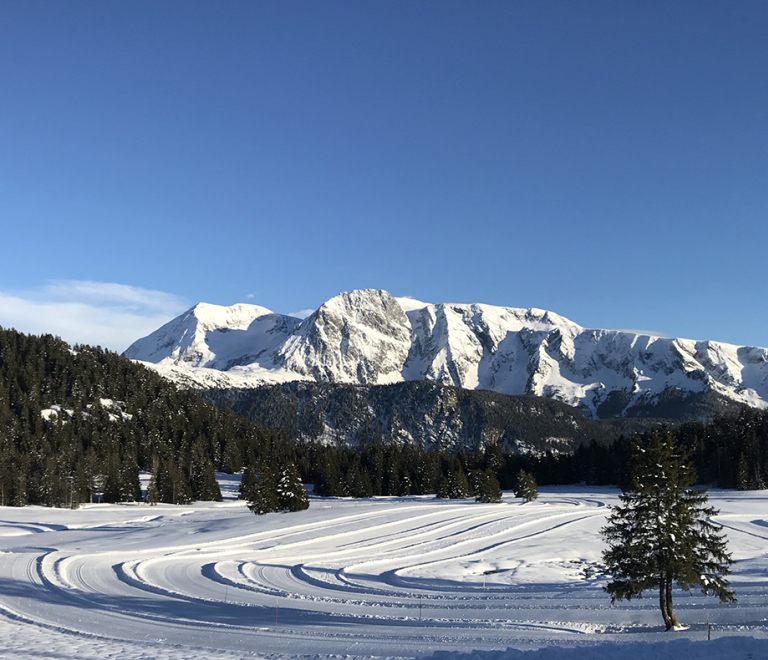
x=376 y=577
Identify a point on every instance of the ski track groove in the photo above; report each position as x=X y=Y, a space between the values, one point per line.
x=409 y=571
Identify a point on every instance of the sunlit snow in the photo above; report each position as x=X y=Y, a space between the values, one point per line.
x=385 y=577
x=369 y=337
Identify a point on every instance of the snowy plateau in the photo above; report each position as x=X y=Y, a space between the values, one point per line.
x=385 y=577
x=368 y=337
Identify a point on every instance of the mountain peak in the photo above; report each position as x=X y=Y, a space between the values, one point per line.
x=238 y=316
x=367 y=336
x=357 y=336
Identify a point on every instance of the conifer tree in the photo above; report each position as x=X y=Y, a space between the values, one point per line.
x=152 y=496
x=486 y=487
x=112 y=483
x=202 y=474
x=291 y=494
x=525 y=486
x=172 y=487
x=358 y=482
x=247 y=482
x=130 y=486
x=426 y=469
x=259 y=489
x=742 y=474
x=442 y=489
x=329 y=480
x=457 y=485
x=661 y=532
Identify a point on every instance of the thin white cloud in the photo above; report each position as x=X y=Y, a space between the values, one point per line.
x=250 y=295
x=85 y=312
x=652 y=333
x=302 y=313
x=108 y=293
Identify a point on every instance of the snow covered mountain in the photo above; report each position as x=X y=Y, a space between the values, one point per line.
x=368 y=337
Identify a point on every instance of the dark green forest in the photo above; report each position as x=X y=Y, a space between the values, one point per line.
x=78 y=424
x=730 y=451
x=114 y=418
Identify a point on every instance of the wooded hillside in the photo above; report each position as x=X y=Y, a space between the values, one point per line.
x=78 y=423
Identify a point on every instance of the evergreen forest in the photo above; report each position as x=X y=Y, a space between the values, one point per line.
x=78 y=424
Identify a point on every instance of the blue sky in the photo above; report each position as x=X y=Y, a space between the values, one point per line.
x=605 y=160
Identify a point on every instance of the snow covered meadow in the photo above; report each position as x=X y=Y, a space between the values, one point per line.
x=386 y=577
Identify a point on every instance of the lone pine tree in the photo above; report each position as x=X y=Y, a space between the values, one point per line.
x=661 y=533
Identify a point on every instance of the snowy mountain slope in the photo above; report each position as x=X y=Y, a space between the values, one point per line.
x=361 y=336
x=215 y=337
x=368 y=337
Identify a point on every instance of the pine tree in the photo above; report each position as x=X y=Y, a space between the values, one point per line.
x=202 y=474
x=172 y=487
x=742 y=474
x=486 y=487
x=525 y=486
x=442 y=490
x=259 y=489
x=358 y=482
x=426 y=472
x=661 y=533
x=291 y=494
x=247 y=483
x=152 y=497
x=328 y=476
x=458 y=486
x=130 y=486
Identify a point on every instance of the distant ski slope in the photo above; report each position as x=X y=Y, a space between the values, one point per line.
x=369 y=337
x=392 y=577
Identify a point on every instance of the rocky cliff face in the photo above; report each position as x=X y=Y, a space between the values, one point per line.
x=357 y=337
x=370 y=338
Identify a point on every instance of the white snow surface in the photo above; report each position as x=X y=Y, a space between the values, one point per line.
x=369 y=337
x=348 y=578
x=115 y=411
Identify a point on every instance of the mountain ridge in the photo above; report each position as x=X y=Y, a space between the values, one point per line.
x=368 y=337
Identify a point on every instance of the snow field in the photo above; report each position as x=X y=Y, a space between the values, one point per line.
x=473 y=346
x=730 y=648
x=385 y=577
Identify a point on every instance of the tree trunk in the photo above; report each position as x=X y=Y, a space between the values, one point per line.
x=670 y=609
x=663 y=601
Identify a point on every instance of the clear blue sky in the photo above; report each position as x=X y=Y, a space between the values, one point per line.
x=605 y=160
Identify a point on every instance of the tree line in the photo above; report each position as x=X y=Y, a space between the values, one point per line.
x=78 y=424
x=730 y=451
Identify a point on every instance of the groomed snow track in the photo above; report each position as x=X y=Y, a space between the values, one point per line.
x=394 y=577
